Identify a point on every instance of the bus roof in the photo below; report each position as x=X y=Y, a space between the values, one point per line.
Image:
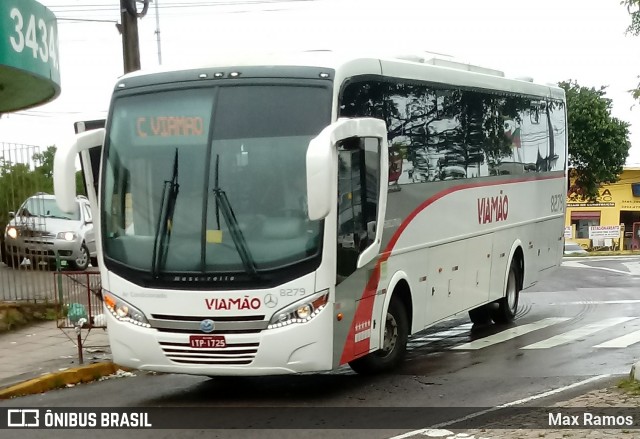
x=423 y=66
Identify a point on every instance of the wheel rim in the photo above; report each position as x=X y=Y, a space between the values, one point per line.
x=83 y=259
x=390 y=335
x=512 y=293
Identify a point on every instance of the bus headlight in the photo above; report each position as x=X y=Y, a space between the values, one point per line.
x=12 y=232
x=301 y=311
x=123 y=311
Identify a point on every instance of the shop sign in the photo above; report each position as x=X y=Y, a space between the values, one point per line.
x=29 y=57
x=600 y=232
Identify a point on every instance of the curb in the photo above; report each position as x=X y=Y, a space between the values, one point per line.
x=56 y=380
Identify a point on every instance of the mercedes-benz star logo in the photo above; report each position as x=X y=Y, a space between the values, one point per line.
x=270 y=300
x=207 y=326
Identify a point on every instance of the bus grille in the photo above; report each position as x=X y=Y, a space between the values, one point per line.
x=234 y=354
x=223 y=325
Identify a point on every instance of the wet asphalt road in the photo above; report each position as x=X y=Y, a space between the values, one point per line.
x=581 y=322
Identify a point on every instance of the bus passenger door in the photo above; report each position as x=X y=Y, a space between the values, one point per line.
x=358 y=149
x=358 y=201
x=359 y=216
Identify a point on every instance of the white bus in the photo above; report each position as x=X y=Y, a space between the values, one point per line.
x=249 y=225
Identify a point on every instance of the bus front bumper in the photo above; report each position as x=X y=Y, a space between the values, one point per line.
x=296 y=348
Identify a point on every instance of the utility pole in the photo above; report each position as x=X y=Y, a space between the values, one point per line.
x=129 y=29
x=158 y=32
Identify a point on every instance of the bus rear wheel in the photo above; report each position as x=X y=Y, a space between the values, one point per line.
x=508 y=305
x=394 y=344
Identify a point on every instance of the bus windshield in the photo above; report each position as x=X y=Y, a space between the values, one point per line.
x=211 y=180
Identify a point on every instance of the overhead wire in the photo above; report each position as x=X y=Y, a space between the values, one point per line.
x=94 y=20
x=103 y=13
x=93 y=13
x=115 y=7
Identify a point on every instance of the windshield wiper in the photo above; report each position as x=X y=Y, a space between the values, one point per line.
x=163 y=230
x=222 y=203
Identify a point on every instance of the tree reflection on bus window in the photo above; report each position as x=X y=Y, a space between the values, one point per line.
x=439 y=133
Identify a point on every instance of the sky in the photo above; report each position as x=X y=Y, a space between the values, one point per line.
x=548 y=40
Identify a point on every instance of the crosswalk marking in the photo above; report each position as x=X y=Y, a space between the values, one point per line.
x=621 y=342
x=577 y=333
x=511 y=333
x=458 y=330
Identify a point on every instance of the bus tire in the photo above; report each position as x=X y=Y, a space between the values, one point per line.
x=394 y=343
x=508 y=305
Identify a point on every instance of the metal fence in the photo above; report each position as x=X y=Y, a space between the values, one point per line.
x=79 y=299
x=24 y=171
x=79 y=304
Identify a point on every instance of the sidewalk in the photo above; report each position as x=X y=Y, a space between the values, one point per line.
x=42 y=348
x=615 y=400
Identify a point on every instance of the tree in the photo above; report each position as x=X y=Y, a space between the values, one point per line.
x=633 y=6
x=598 y=142
x=43 y=169
x=44 y=161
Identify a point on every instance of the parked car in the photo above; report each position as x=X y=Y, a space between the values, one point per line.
x=573 y=248
x=41 y=232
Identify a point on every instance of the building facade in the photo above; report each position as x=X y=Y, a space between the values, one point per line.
x=593 y=224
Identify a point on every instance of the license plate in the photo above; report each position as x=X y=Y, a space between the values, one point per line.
x=207 y=341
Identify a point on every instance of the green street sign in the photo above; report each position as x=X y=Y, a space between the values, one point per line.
x=29 y=72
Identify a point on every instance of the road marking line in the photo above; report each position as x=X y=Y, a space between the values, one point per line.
x=621 y=342
x=577 y=333
x=511 y=333
x=498 y=407
x=575 y=264
x=633 y=267
x=599 y=302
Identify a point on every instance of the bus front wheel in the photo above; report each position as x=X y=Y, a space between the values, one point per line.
x=508 y=305
x=394 y=343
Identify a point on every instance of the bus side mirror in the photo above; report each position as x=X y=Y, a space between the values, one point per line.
x=320 y=175
x=64 y=167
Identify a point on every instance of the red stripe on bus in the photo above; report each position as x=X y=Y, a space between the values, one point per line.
x=364 y=310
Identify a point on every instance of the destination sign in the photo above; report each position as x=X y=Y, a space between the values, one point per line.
x=163 y=118
x=169 y=126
